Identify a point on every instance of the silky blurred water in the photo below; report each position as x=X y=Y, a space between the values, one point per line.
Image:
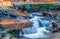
x=38 y=30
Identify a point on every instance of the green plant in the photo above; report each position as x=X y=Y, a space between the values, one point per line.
x=12 y=33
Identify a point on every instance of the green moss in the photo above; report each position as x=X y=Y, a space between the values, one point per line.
x=38 y=7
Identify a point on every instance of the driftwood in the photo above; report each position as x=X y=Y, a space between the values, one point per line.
x=19 y=13
x=15 y=24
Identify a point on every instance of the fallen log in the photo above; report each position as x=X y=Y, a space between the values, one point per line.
x=15 y=24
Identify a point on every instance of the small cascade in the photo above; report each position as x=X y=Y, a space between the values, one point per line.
x=37 y=29
x=32 y=29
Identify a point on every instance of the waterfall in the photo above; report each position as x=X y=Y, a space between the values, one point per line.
x=32 y=29
x=41 y=33
x=37 y=30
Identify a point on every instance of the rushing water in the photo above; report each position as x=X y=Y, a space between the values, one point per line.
x=37 y=30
